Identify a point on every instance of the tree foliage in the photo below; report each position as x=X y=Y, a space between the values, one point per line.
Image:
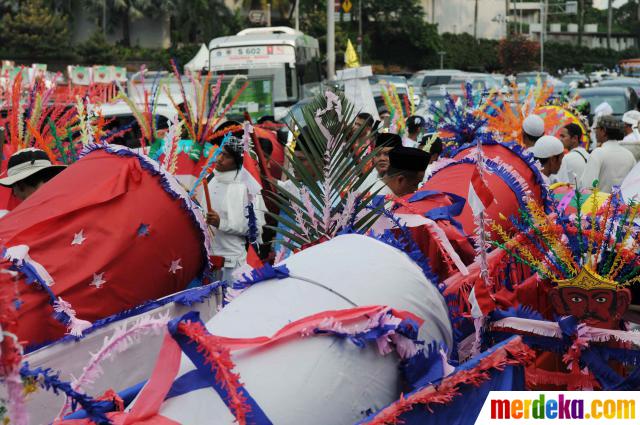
x=517 y=54
x=198 y=21
x=97 y=50
x=463 y=52
x=36 y=30
x=399 y=33
x=124 y=12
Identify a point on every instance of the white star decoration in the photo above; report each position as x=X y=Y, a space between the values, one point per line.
x=78 y=238
x=175 y=266
x=98 y=280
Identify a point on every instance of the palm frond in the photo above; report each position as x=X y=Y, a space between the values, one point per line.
x=330 y=189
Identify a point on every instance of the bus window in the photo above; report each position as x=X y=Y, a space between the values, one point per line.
x=309 y=72
x=289 y=79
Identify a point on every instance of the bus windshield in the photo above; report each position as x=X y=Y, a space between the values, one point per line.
x=276 y=62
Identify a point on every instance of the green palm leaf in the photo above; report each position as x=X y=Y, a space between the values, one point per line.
x=336 y=175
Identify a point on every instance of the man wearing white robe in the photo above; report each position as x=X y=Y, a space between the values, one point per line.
x=230 y=208
x=574 y=162
x=631 y=140
x=609 y=163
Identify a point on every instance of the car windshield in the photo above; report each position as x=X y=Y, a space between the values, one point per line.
x=570 y=78
x=618 y=102
x=620 y=83
x=530 y=78
x=416 y=80
x=394 y=79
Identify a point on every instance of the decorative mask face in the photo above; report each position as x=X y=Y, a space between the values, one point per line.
x=600 y=308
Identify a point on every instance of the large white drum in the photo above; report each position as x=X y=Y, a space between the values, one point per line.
x=318 y=380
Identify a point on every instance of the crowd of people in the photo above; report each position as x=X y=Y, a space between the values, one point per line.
x=399 y=165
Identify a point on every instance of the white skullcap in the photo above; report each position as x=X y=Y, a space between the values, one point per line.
x=533 y=125
x=603 y=109
x=546 y=147
x=631 y=117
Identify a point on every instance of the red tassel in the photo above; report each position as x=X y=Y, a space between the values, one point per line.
x=253 y=259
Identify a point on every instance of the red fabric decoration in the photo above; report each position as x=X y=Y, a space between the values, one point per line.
x=219 y=357
x=253 y=259
x=107 y=197
x=145 y=410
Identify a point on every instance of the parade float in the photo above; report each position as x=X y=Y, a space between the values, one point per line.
x=354 y=326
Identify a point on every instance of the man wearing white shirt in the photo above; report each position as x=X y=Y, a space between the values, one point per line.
x=609 y=163
x=631 y=140
x=574 y=162
x=385 y=142
x=230 y=200
x=415 y=123
x=406 y=171
x=548 y=150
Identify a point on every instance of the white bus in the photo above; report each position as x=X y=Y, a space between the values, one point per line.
x=289 y=57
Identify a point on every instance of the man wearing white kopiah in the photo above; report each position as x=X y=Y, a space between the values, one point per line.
x=575 y=160
x=532 y=129
x=601 y=110
x=631 y=140
x=229 y=202
x=609 y=163
x=549 y=151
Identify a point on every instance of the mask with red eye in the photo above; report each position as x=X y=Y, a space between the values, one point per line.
x=601 y=308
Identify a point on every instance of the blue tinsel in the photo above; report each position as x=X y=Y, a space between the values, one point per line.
x=266 y=272
x=187 y=297
x=50 y=381
x=252 y=233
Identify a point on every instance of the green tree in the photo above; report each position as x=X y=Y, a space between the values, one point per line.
x=465 y=53
x=399 y=33
x=97 y=50
x=394 y=33
x=198 y=21
x=36 y=31
x=124 y=12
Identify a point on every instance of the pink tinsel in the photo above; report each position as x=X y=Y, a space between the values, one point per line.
x=76 y=326
x=121 y=339
x=17 y=409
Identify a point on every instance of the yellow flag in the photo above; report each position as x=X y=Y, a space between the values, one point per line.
x=350 y=56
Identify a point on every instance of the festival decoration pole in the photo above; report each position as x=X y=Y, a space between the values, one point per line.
x=207 y=196
x=258 y=147
x=484 y=267
x=480 y=198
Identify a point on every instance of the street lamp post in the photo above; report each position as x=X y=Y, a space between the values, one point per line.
x=442 y=59
x=543 y=31
x=331 y=40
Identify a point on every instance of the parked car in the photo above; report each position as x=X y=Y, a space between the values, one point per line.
x=634 y=83
x=427 y=78
x=577 y=80
x=621 y=99
x=437 y=94
x=478 y=81
x=400 y=84
x=528 y=78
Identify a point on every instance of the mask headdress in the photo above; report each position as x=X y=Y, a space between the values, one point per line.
x=596 y=251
